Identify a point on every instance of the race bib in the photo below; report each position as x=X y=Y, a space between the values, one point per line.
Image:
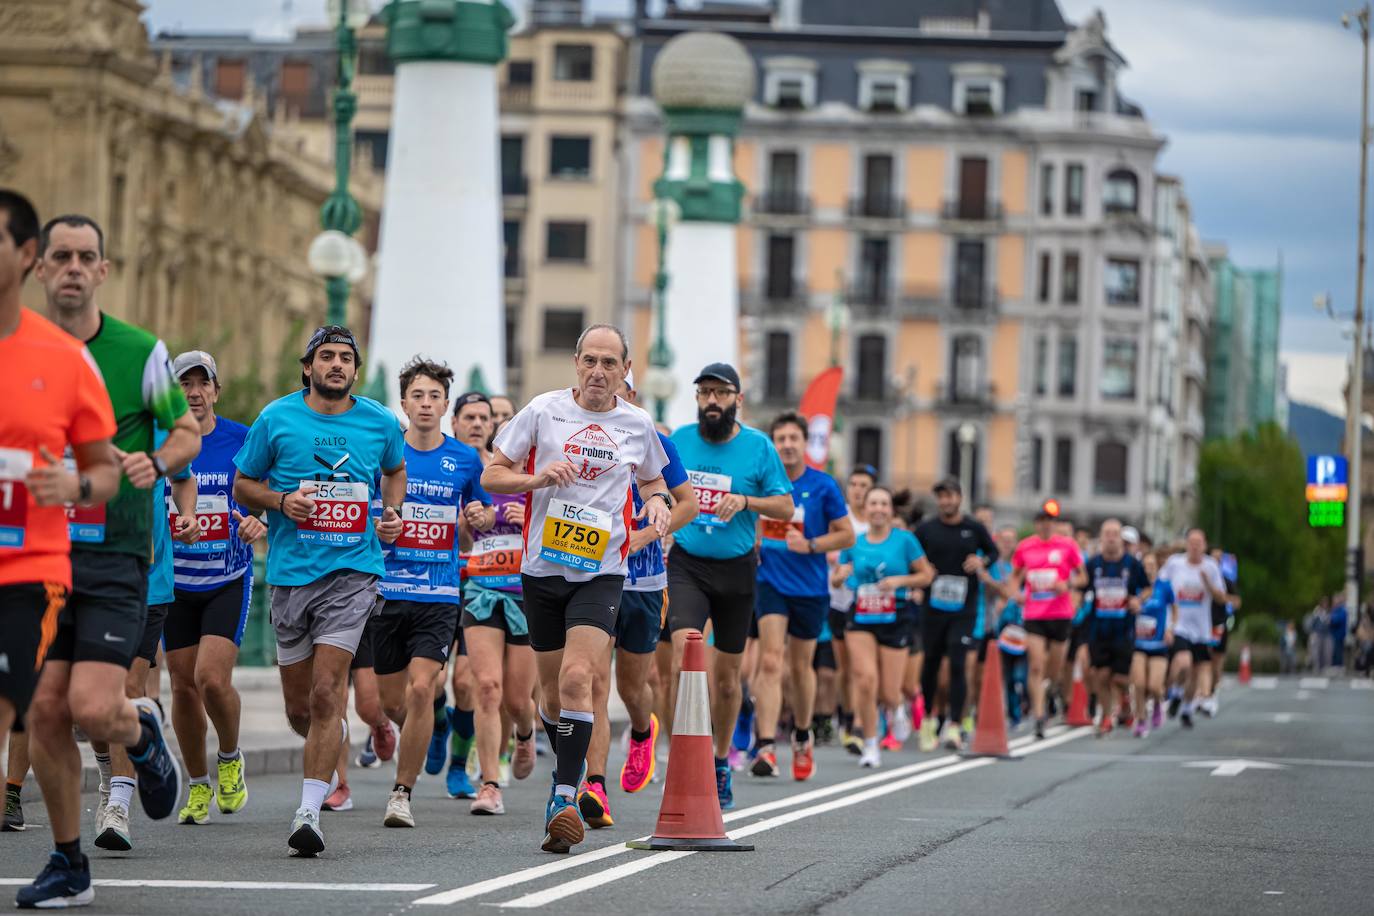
x=85 y=524
x=873 y=605
x=575 y=536
x=495 y=561
x=1042 y=583
x=426 y=533
x=775 y=532
x=340 y=516
x=213 y=513
x=15 y=464
x=1110 y=600
x=948 y=593
x=1146 y=627
x=710 y=490
x=1012 y=640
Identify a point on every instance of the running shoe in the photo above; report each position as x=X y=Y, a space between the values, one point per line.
x=438 y=750
x=641 y=760
x=197 y=810
x=384 y=741
x=60 y=884
x=459 y=785
x=929 y=739
x=899 y=724
x=1175 y=701
x=307 y=839
x=398 y=810
x=824 y=730
x=738 y=760
x=1125 y=717
x=744 y=730
x=488 y=801
x=890 y=743
x=725 y=793
x=14 y=814
x=870 y=759
x=522 y=764
x=159 y=774
x=1186 y=718
x=766 y=763
x=367 y=757
x=803 y=760
x=1208 y=707
x=967 y=725
x=953 y=738
x=853 y=744
x=1140 y=730
x=562 y=825
x=1157 y=717
x=1040 y=729
x=594 y=805
x=341 y=799
x=233 y=788
x=114 y=832
x=1104 y=727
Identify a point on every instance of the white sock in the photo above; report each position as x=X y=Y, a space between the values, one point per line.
x=121 y=791
x=1187 y=708
x=565 y=791
x=871 y=744
x=312 y=794
x=200 y=780
x=234 y=755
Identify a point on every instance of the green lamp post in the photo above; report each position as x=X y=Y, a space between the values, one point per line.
x=659 y=383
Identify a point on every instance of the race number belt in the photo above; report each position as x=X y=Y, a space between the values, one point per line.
x=948 y=593
x=426 y=533
x=340 y=515
x=575 y=536
x=873 y=605
x=1012 y=640
x=775 y=531
x=1042 y=582
x=1146 y=627
x=495 y=560
x=15 y=464
x=710 y=490
x=85 y=524
x=212 y=511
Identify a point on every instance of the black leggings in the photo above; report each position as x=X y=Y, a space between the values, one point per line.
x=946 y=636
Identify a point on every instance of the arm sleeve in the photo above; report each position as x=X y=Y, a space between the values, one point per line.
x=1214 y=576
x=161 y=394
x=255 y=457
x=674 y=472
x=517 y=437
x=92 y=416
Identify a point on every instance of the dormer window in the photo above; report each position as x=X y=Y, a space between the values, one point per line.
x=789 y=83
x=978 y=89
x=884 y=86
x=1120 y=192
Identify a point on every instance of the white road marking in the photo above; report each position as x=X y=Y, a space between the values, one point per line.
x=1283 y=718
x=534 y=873
x=542 y=898
x=1264 y=683
x=242 y=885
x=1233 y=767
x=1360 y=683
x=1314 y=683
x=1302 y=695
x=1274 y=893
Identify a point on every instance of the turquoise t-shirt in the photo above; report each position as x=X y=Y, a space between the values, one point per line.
x=748 y=465
x=343 y=455
x=161 y=587
x=891 y=556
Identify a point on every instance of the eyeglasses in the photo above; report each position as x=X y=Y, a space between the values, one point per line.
x=719 y=394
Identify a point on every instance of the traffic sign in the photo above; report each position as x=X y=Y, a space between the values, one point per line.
x=1327 y=470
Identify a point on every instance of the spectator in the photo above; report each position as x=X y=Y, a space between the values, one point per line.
x=1318 y=627
x=1288 y=649
x=1364 y=639
x=1340 y=622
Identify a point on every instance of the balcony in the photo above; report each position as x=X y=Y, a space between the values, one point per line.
x=981 y=213
x=871 y=296
x=775 y=296
x=873 y=394
x=922 y=300
x=880 y=206
x=978 y=397
x=517 y=97
x=975 y=301
x=782 y=203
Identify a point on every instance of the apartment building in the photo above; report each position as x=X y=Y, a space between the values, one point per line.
x=1243 y=360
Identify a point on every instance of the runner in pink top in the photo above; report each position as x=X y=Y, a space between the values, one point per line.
x=1044 y=566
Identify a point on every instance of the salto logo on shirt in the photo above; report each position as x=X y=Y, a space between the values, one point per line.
x=333 y=468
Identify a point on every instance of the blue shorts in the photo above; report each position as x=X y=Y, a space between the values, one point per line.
x=806 y=614
x=640 y=621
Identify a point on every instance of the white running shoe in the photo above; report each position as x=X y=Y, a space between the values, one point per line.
x=114 y=831
x=952 y=737
x=307 y=839
x=900 y=723
x=398 y=810
x=870 y=759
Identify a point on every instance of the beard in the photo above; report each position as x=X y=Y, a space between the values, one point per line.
x=716 y=429
x=328 y=388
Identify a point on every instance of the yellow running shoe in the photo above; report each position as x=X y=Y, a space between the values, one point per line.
x=929 y=740
x=197 y=810
x=233 y=790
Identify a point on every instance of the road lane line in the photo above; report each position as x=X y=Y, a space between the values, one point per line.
x=1265 y=683
x=1359 y=684
x=242 y=885
x=1314 y=683
x=590 y=882
x=534 y=873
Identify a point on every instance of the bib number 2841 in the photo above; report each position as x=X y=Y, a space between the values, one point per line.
x=575 y=536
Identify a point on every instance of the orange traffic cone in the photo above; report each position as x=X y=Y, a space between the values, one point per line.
x=1078 y=703
x=689 y=818
x=1245 y=664
x=990 y=736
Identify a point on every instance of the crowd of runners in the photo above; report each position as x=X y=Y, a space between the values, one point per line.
x=476 y=589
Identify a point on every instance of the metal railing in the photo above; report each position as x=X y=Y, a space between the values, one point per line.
x=885 y=205
x=782 y=203
x=978 y=396
x=971 y=211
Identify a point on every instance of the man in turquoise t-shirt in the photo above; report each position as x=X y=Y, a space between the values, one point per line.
x=737 y=476
x=311 y=460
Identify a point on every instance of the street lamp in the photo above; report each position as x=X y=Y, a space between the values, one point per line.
x=1354 y=428
x=660 y=383
x=967 y=434
x=341 y=213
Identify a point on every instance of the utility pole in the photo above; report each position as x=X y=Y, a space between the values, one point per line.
x=1354 y=428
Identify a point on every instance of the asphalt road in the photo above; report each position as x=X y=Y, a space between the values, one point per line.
x=1169 y=824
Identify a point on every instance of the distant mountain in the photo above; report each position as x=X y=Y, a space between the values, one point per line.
x=1318 y=432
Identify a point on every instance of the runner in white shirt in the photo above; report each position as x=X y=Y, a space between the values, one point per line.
x=1196 y=581
x=579 y=449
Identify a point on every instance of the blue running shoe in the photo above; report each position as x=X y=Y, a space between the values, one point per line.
x=159 y=774
x=744 y=731
x=563 y=827
x=459 y=786
x=367 y=757
x=724 y=791
x=59 y=884
x=438 y=752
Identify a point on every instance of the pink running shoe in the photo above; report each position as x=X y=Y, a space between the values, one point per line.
x=890 y=744
x=1157 y=717
x=641 y=760
x=522 y=764
x=918 y=711
x=1140 y=730
x=341 y=799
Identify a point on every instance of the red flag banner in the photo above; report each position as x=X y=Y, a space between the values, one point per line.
x=818 y=406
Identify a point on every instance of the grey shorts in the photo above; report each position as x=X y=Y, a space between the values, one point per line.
x=332 y=611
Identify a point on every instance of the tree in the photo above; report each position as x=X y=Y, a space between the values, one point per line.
x=1252 y=502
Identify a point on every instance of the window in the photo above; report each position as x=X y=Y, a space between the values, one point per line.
x=977 y=89
x=878 y=197
x=1118 y=370
x=790 y=95
x=1063 y=466
x=1042 y=365
x=1042 y=280
x=781 y=251
x=230 y=75
x=512 y=266
x=1123 y=281
x=784 y=169
x=570 y=157
x=1085 y=100
x=373 y=59
x=1073 y=190
x=884 y=85
x=978 y=100
x=966 y=382
x=1109 y=469
x=573 y=62
x=295 y=83
x=968 y=274
x=868 y=447
x=1068 y=367
x=872 y=285
x=1037 y=464
x=789 y=83
x=513 y=182
x=520 y=73
x=562 y=327
x=973 y=188
x=885 y=96
x=777 y=372
x=513 y=360
x=376 y=143
x=1068 y=279
x=871 y=382
x=1047 y=189
x=566 y=241
x=1120 y=192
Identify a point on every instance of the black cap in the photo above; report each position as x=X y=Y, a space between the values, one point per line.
x=330 y=333
x=948 y=484
x=718 y=372
x=471 y=397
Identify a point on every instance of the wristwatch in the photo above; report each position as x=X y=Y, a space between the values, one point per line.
x=83 y=489
x=159 y=465
x=667 y=500
x=811 y=545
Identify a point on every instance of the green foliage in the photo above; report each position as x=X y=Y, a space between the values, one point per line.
x=244 y=394
x=1257 y=628
x=1252 y=502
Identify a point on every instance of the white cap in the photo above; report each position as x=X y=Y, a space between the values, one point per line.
x=1130 y=535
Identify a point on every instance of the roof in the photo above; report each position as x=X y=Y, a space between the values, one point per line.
x=1003 y=15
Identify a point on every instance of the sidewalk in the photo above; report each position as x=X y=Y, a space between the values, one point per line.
x=269 y=745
